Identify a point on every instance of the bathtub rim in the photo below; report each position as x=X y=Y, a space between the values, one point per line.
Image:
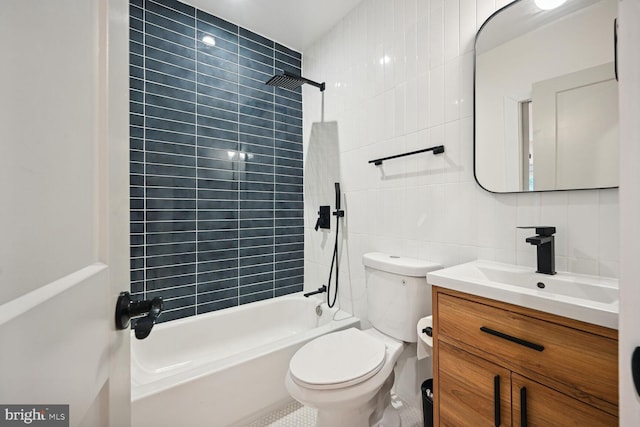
x=339 y=320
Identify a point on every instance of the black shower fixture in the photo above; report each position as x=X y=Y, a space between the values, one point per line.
x=289 y=80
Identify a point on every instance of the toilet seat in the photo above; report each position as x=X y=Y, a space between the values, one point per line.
x=337 y=360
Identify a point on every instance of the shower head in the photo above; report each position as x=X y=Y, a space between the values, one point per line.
x=289 y=80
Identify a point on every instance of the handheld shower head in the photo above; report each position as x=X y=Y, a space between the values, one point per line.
x=338 y=212
x=289 y=80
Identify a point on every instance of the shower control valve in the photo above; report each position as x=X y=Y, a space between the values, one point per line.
x=324 y=218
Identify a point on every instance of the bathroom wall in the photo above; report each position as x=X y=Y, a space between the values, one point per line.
x=216 y=162
x=399 y=78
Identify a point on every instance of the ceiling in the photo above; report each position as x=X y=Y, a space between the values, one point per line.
x=522 y=17
x=292 y=23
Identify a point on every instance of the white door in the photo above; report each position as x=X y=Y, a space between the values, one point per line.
x=629 y=322
x=575 y=119
x=63 y=209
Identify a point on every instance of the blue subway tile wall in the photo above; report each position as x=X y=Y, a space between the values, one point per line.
x=216 y=162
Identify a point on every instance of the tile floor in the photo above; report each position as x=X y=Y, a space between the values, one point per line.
x=296 y=415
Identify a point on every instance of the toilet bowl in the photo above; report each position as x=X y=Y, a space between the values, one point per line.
x=347 y=375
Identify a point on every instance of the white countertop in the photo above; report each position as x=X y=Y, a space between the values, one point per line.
x=590 y=299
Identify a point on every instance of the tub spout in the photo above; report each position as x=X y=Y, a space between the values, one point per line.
x=320 y=290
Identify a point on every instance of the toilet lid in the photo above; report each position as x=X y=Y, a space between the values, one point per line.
x=337 y=360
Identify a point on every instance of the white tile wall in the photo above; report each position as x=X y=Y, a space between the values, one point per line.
x=400 y=77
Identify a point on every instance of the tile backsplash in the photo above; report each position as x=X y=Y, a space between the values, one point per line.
x=216 y=162
x=399 y=78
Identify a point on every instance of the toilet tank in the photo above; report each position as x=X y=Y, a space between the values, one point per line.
x=397 y=293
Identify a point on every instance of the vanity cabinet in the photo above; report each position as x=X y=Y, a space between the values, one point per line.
x=473 y=389
x=497 y=364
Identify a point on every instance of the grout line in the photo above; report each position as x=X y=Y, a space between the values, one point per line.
x=238 y=184
x=144 y=156
x=197 y=183
x=274 y=248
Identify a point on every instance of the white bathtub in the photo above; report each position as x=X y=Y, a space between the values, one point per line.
x=223 y=368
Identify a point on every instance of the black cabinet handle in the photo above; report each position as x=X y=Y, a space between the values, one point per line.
x=523 y=407
x=496 y=400
x=516 y=340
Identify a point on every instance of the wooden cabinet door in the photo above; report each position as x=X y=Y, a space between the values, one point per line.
x=536 y=405
x=471 y=390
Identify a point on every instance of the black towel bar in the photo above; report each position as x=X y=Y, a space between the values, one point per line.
x=438 y=149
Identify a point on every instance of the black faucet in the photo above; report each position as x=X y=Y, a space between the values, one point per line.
x=545 y=247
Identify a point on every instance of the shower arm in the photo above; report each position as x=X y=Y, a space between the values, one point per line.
x=320 y=86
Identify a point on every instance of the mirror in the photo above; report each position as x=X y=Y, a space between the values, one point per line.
x=546 y=97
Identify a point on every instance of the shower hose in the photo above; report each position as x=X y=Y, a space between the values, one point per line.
x=334 y=259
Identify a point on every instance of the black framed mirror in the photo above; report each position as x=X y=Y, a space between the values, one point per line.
x=546 y=97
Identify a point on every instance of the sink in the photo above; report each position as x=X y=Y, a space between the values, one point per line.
x=586 y=298
x=583 y=287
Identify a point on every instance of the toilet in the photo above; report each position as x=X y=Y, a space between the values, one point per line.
x=347 y=375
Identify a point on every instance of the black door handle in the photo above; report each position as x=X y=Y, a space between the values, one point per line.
x=513 y=339
x=523 y=407
x=635 y=369
x=127 y=309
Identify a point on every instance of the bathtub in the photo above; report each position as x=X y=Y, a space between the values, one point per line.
x=224 y=368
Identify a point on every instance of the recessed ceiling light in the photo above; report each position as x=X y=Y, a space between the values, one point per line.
x=549 y=4
x=208 y=40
